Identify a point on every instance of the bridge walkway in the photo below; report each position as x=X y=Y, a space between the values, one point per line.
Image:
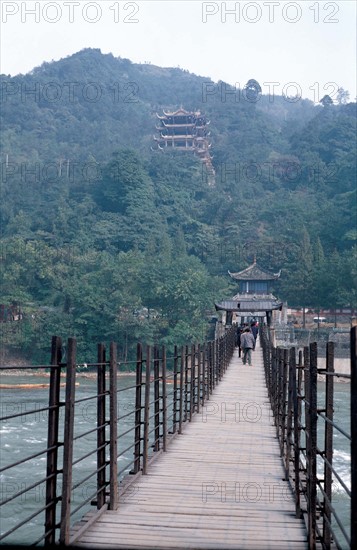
x=219 y=484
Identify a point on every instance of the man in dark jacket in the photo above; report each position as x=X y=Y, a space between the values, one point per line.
x=255 y=330
x=247 y=342
x=238 y=335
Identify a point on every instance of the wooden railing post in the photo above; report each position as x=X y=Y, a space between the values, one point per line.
x=192 y=381
x=146 y=410
x=284 y=384
x=217 y=360
x=311 y=447
x=181 y=390
x=199 y=374
x=300 y=425
x=289 y=420
x=164 y=400
x=52 y=441
x=354 y=437
x=227 y=346
x=186 y=384
x=213 y=365
x=296 y=386
x=280 y=395
x=156 y=399
x=273 y=386
x=101 y=452
x=265 y=344
x=138 y=407
x=174 y=405
x=269 y=359
x=214 y=362
x=209 y=369
x=329 y=383
x=113 y=430
x=204 y=374
x=222 y=357
x=68 y=441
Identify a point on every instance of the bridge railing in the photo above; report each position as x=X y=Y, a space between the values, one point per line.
x=97 y=439
x=302 y=400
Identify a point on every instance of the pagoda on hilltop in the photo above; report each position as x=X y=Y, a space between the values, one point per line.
x=254 y=298
x=183 y=130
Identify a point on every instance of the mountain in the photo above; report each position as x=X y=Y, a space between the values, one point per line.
x=104 y=236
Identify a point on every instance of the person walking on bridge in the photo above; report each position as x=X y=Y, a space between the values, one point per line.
x=238 y=336
x=255 y=331
x=247 y=342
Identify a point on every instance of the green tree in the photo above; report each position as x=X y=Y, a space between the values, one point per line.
x=326 y=101
x=342 y=96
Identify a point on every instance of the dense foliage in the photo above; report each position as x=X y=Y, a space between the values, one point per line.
x=103 y=237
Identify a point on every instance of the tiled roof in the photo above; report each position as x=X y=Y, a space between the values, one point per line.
x=246 y=306
x=254 y=273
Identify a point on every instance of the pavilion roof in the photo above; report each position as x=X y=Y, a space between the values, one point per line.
x=254 y=273
x=249 y=306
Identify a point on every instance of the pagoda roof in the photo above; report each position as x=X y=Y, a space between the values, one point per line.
x=178 y=125
x=181 y=112
x=177 y=136
x=254 y=273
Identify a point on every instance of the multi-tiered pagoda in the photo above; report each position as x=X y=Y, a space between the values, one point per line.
x=185 y=131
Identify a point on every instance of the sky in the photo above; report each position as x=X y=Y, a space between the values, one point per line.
x=305 y=48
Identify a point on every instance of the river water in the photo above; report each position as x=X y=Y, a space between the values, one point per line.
x=26 y=435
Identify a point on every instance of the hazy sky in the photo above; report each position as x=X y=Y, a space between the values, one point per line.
x=306 y=47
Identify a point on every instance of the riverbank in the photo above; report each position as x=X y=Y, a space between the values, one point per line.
x=41 y=374
x=29 y=386
x=26 y=374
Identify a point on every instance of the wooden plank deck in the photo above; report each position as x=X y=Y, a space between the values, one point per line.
x=219 y=485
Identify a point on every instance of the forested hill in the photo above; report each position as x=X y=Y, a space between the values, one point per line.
x=104 y=237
